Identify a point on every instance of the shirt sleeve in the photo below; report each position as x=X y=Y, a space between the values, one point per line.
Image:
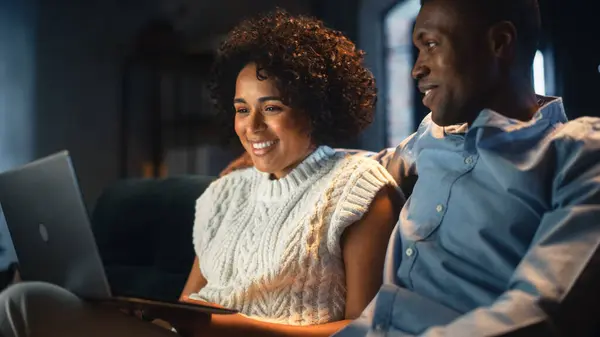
x=554 y=290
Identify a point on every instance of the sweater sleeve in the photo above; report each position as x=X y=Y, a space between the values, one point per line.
x=358 y=183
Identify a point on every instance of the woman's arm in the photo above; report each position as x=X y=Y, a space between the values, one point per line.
x=364 y=245
x=195 y=281
x=238 y=325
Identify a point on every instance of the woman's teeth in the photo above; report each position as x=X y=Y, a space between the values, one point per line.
x=263 y=145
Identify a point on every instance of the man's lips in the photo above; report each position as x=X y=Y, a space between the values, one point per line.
x=425 y=87
x=428 y=96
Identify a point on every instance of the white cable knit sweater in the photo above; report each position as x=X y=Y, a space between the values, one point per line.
x=271 y=248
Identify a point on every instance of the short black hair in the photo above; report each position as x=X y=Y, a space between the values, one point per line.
x=318 y=70
x=524 y=15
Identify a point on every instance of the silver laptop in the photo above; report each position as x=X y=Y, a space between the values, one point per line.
x=52 y=236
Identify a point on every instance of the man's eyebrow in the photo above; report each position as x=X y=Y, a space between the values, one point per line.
x=418 y=35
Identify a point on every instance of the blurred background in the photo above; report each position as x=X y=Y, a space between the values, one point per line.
x=121 y=83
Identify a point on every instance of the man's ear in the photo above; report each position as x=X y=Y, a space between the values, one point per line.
x=502 y=39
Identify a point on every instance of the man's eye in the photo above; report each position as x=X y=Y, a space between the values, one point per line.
x=431 y=44
x=241 y=110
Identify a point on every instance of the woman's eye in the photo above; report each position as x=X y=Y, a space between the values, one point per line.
x=431 y=44
x=272 y=109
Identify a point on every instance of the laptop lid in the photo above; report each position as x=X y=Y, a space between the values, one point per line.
x=50 y=227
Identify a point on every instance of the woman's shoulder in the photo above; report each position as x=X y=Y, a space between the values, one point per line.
x=361 y=167
x=355 y=184
x=235 y=180
x=355 y=181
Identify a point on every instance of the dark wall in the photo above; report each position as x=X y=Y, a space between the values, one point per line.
x=80 y=46
x=573 y=31
x=339 y=14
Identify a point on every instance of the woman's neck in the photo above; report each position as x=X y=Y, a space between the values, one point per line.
x=290 y=168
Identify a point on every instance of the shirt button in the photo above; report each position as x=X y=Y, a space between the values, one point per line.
x=469 y=160
x=409 y=251
x=378 y=327
x=439 y=208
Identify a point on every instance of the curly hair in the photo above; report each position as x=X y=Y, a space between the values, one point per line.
x=317 y=70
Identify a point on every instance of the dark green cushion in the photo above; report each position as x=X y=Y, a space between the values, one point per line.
x=143 y=229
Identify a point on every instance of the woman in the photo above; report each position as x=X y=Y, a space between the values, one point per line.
x=297 y=242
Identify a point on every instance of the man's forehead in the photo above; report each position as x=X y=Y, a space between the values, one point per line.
x=433 y=21
x=443 y=16
x=433 y=13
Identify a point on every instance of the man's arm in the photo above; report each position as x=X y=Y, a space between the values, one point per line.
x=555 y=289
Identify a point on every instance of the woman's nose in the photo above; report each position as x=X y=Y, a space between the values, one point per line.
x=256 y=122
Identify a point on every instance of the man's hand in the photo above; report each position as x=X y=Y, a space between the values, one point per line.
x=242 y=162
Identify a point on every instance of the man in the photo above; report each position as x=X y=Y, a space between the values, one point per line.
x=500 y=235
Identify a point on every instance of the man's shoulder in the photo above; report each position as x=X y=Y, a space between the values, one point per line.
x=580 y=129
x=576 y=148
x=577 y=137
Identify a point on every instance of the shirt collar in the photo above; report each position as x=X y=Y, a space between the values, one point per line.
x=552 y=111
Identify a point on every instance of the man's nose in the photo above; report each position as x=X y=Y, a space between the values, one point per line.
x=420 y=70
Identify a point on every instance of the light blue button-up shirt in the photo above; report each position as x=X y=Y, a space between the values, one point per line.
x=501 y=233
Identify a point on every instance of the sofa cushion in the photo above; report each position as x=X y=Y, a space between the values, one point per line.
x=143 y=229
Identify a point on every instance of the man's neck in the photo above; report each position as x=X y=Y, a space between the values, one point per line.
x=516 y=100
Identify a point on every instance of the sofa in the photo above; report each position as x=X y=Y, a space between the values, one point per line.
x=143 y=229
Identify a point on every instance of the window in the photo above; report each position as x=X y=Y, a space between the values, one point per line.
x=400 y=110
x=539 y=76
